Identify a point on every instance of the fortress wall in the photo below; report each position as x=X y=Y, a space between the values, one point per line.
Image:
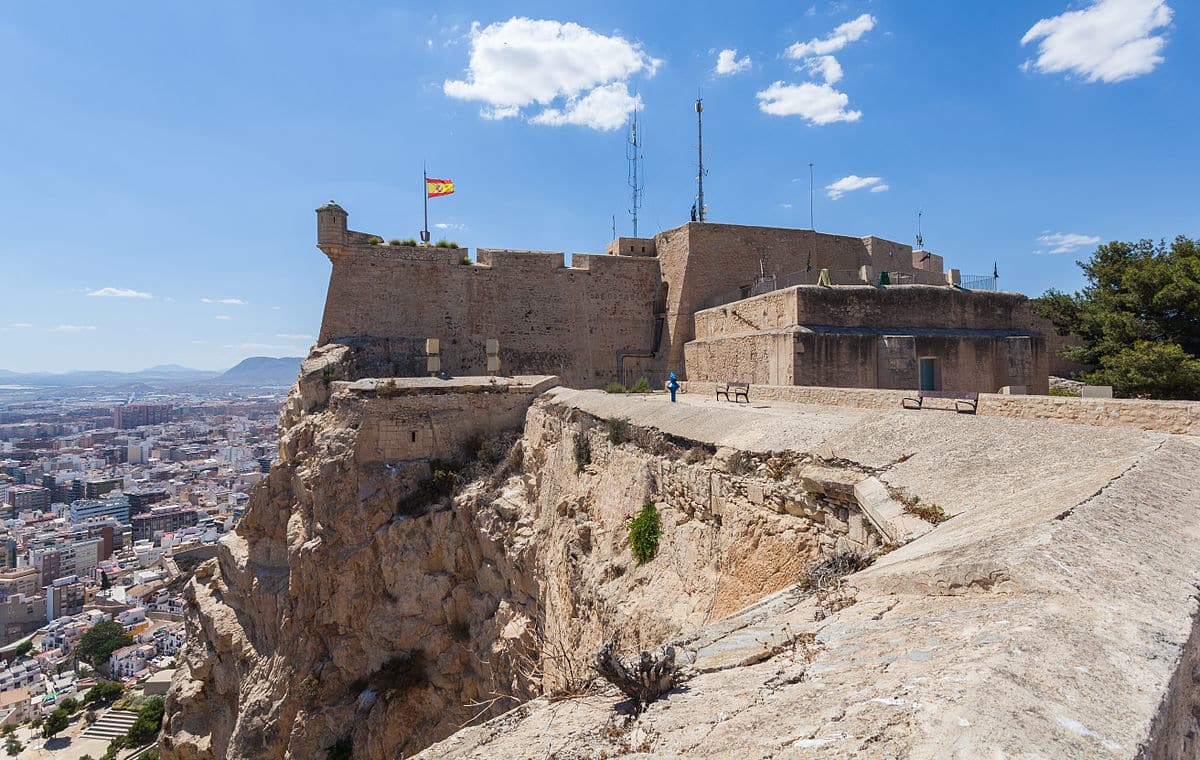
x=568 y=321
x=973 y=362
x=702 y=260
x=757 y=358
x=898 y=306
x=630 y=246
x=893 y=306
x=775 y=310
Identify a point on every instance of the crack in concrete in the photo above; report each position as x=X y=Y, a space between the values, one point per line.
x=1064 y=515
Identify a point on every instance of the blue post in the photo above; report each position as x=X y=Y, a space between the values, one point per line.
x=672 y=386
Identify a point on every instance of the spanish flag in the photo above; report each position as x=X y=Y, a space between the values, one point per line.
x=436 y=187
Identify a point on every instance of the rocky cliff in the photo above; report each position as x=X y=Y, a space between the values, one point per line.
x=431 y=566
x=424 y=557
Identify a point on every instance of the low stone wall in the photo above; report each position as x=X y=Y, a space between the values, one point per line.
x=1180 y=417
x=407 y=418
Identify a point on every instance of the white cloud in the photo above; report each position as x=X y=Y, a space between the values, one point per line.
x=851 y=31
x=728 y=63
x=74 y=328
x=19 y=325
x=881 y=188
x=445 y=226
x=119 y=293
x=1108 y=41
x=223 y=317
x=854 y=182
x=576 y=75
x=826 y=66
x=226 y=301
x=603 y=108
x=291 y=336
x=816 y=103
x=1065 y=242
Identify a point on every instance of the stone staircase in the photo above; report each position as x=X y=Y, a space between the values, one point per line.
x=110 y=725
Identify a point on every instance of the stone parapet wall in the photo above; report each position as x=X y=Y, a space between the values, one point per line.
x=1180 y=417
x=402 y=419
x=570 y=321
x=892 y=308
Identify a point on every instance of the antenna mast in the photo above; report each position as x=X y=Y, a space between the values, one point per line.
x=700 y=212
x=811 y=226
x=920 y=240
x=633 y=152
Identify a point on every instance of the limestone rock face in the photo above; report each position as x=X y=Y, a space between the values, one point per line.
x=355 y=604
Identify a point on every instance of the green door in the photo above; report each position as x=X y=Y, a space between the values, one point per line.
x=928 y=374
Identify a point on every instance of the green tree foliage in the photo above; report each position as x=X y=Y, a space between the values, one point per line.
x=644 y=532
x=114 y=746
x=145 y=729
x=1138 y=317
x=54 y=723
x=105 y=583
x=104 y=691
x=70 y=704
x=641 y=386
x=13 y=747
x=22 y=649
x=101 y=640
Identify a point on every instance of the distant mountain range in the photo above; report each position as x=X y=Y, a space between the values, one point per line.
x=258 y=371
x=261 y=370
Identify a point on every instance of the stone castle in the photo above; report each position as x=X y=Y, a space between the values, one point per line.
x=431 y=565
x=707 y=301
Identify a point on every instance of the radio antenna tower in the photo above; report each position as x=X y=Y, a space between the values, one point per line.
x=920 y=238
x=633 y=152
x=701 y=214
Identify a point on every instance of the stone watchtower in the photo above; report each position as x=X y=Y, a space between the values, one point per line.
x=332 y=235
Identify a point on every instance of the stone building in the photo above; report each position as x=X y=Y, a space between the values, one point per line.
x=707 y=301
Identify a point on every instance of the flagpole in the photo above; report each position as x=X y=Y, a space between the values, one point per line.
x=425 y=195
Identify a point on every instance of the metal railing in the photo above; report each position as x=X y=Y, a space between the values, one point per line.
x=978 y=282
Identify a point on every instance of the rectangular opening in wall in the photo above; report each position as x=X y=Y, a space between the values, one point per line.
x=412 y=436
x=931 y=375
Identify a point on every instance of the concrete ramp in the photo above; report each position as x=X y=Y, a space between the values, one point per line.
x=1054 y=616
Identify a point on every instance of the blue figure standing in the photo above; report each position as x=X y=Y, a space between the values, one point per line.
x=672 y=386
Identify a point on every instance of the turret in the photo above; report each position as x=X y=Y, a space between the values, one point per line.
x=331 y=229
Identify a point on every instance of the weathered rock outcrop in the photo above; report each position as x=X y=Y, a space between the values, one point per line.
x=358 y=601
x=1053 y=616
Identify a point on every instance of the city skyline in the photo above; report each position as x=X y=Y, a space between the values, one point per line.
x=160 y=209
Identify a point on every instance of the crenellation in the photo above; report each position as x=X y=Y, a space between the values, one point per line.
x=530 y=260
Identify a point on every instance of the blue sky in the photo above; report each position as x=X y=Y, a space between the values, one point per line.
x=162 y=161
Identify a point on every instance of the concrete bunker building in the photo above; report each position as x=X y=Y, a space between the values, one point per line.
x=708 y=301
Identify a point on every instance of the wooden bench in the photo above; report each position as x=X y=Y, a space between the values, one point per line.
x=964 y=402
x=739 y=390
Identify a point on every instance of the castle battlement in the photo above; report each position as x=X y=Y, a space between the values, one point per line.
x=631 y=311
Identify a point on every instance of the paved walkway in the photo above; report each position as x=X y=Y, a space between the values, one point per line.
x=1046 y=619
